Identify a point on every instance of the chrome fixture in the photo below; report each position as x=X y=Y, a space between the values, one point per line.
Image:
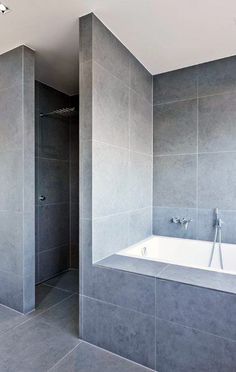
x=60 y=113
x=218 y=228
x=3 y=8
x=184 y=222
x=42 y=198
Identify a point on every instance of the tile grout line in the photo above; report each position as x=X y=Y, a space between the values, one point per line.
x=197 y=329
x=60 y=360
x=123 y=82
x=61 y=289
x=119 y=306
x=119 y=213
x=127 y=149
x=161 y=271
x=192 y=208
x=195 y=153
x=227 y=92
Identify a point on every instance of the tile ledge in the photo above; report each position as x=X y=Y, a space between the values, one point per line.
x=182 y=274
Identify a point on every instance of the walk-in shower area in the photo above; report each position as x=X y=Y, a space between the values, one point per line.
x=57 y=182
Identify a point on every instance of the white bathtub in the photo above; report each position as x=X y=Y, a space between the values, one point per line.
x=185 y=252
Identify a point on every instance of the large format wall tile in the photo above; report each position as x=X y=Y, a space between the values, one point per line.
x=217 y=116
x=11 y=293
x=53 y=226
x=182 y=349
x=216 y=180
x=110 y=108
x=175 y=128
x=206 y=225
x=11 y=120
x=111 y=235
x=140 y=79
x=130 y=291
x=85 y=44
x=175 y=181
x=140 y=225
x=110 y=180
x=109 y=52
x=85 y=103
x=124 y=332
x=175 y=85
x=140 y=124
x=11 y=181
x=140 y=181
x=11 y=68
x=197 y=307
x=162 y=224
x=85 y=189
x=11 y=243
x=217 y=76
x=52 y=262
x=53 y=138
x=53 y=180
x=17 y=178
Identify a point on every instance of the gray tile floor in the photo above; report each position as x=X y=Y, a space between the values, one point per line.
x=47 y=339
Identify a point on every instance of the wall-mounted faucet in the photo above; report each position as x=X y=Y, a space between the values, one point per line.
x=184 y=222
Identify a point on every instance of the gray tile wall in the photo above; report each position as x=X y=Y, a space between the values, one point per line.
x=193 y=330
x=121 y=145
x=17 y=231
x=74 y=184
x=195 y=148
x=57 y=179
x=115 y=192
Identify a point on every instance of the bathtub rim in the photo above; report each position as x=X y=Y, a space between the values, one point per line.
x=210 y=279
x=168 y=262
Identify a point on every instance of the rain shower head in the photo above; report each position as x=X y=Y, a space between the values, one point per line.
x=60 y=113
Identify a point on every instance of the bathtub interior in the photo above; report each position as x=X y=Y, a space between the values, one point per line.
x=184 y=252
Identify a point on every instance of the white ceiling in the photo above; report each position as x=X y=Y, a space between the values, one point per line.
x=163 y=34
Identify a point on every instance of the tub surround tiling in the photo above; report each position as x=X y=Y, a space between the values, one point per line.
x=194 y=118
x=189 y=318
x=177 y=273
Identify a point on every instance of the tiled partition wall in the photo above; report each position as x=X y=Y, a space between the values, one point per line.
x=195 y=149
x=120 y=128
x=56 y=179
x=116 y=187
x=17 y=232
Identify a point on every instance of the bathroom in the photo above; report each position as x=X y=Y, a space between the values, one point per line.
x=117 y=204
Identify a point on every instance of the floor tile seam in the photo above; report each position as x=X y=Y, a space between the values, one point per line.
x=59 y=288
x=60 y=360
x=117 y=355
x=33 y=317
